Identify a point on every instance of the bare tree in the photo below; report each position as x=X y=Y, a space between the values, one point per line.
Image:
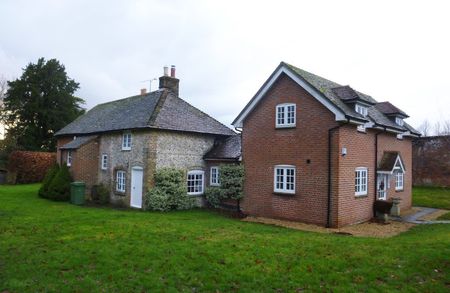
x=425 y=128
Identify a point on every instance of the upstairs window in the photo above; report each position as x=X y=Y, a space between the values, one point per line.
x=69 y=158
x=361 y=109
x=104 y=161
x=195 y=182
x=126 y=141
x=285 y=115
x=215 y=180
x=361 y=179
x=284 y=179
x=399 y=121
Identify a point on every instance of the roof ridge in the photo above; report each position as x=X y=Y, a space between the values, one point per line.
x=313 y=74
x=130 y=97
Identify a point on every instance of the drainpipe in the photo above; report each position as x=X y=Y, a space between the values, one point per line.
x=239 y=201
x=330 y=132
x=376 y=165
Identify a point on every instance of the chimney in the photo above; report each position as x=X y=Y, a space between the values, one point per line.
x=143 y=92
x=167 y=82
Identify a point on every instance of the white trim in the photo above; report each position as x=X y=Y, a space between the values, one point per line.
x=104 y=162
x=362 y=185
x=217 y=181
x=69 y=158
x=285 y=107
x=284 y=177
x=399 y=187
x=339 y=116
x=363 y=110
x=121 y=186
x=126 y=143
x=196 y=172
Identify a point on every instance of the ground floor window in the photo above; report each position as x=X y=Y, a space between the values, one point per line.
x=120 y=181
x=361 y=181
x=69 y=158
x=284 y=179
x=399 y=176
x=195 y=182
x=215 y=181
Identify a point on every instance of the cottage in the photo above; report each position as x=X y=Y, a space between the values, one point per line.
x=318 y=152
x=122 y=143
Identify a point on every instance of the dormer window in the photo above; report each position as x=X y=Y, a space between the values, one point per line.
x=399 y=121
x=285 y=115
x=361 y=109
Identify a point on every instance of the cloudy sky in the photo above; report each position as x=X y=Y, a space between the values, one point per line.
x=225 y=50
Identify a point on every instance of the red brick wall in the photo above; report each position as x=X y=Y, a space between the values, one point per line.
x=264 y=146
x=60 y=142
x=85 y=162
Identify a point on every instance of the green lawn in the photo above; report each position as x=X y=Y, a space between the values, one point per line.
x=58 y=247
x=433 y=197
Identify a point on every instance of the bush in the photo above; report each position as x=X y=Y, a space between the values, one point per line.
x=214 y=196
x=231 y=185
x=51 y=173
x=59 y=188
x=30 y=167
x=169 y=192
x=102 y=194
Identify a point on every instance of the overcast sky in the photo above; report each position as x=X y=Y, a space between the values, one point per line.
x=392 y=50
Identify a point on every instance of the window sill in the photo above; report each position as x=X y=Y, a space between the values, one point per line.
x=195 y=194
x=361 y=196
x=119 y=193
x=214 y=185
x=283 y=193
x=285 y=127
x=126 y=150
x=399 y=190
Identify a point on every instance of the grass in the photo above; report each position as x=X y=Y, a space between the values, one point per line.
x=58 y=247
x=433 y=197
x=444 y=217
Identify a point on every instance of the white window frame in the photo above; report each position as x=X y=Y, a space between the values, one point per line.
x=284 y=179
x=104 y=161
x=202 y=182
x=399 y=121
x=399 y=180
x=126 y=141
x=282 y=110
x=214 y=175
x=361 y=181
x=69 y=158
x=361 y=109
x=121 y=181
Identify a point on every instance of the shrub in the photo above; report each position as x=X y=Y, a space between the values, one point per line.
x=30 y=167
x=169 y=192
x=59 y=188
x=102 y=194
x=51 y=173
x=231 y=185
x=214 y=196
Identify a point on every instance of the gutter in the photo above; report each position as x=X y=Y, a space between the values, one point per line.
x=330 y=132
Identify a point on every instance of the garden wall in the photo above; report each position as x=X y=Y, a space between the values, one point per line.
x=431 y=161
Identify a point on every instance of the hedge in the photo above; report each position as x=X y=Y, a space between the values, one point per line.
x=29 y=167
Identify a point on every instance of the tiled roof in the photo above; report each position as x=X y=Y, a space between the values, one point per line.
x=159 y=109
x=387 y=162
x=78 y=142
x=389 y=109
x=338 y=94
x=227 y=149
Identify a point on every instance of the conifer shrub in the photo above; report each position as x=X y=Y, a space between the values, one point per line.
x=59 y=188
x=51 y=173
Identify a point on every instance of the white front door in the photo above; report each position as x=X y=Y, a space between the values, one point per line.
x=382 y=186
x=137 y=174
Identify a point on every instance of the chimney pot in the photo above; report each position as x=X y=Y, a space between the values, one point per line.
x=172 y=71
x=166 y=71
x=143 y=92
